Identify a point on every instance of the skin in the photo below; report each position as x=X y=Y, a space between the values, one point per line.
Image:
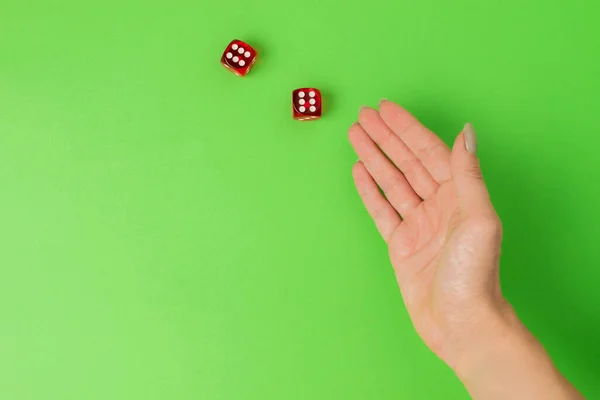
x=444 y=239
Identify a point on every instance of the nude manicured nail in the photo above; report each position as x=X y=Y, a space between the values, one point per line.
x=381 y=101
x=470 y=138
x=362 y=108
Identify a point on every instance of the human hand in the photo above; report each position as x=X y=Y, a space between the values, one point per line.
x=444 y=241
x=441 y=228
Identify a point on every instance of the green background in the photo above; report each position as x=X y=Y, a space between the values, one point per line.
x=167 y=231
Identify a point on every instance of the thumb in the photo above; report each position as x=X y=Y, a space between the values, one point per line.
x=473 y=197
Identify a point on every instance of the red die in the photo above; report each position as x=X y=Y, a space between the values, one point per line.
x=306 y=104
x=238 y=57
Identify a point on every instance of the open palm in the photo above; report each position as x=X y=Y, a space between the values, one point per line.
x=442 y=231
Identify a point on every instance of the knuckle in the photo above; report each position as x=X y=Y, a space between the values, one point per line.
x=410 y=124
x=430 y=150
x=387 y=140
x=369 y=160
x=394 y=183
x=409 y=165
x=378 y=213
x=473 y=171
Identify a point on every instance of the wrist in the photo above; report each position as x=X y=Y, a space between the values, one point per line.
x=503 y=360
x=490 y=325
x=496 y=331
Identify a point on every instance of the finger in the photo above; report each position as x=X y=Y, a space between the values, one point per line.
x=386 y=218
x=388 y=177
x=427 y=146
x=473 y=196
x=412 y=168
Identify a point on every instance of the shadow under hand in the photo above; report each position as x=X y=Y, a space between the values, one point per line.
x=549 y=267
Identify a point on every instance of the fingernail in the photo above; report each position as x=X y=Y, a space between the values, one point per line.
x=381 y=101
x=470 y=138
x=362 y=108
